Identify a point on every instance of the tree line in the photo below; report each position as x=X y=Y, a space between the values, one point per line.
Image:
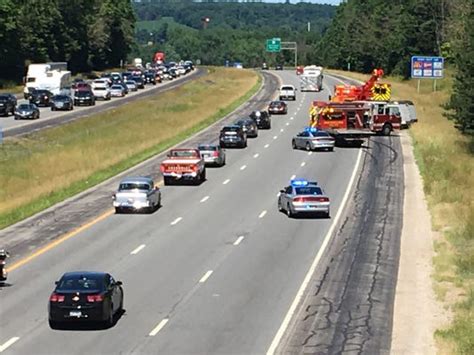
x=88 y=34
x=232 y=32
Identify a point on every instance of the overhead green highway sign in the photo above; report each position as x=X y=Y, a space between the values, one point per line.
x=274 y=45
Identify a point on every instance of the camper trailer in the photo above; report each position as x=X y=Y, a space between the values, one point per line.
x=48 y=76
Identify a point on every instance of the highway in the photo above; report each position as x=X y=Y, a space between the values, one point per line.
x=48 y=118
x=214 y=271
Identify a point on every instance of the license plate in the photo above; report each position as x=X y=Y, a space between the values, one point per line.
x=75 y=314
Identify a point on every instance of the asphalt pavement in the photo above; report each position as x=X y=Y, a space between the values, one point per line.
x=214 y=271
x=48 y=118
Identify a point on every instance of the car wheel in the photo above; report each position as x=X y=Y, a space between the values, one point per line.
x=387 y=129
x=53 y=324
x=245 y=144
x=120 y=309
x=308 y=146
x=289 y=213
x=109 y=322
x=53 y=109
x=280 y=208
x=293 y=144
x=331 y=149
x=223 y=162
x=118 y=210
x=203 y=175
x=327 y=214
x=166 y=180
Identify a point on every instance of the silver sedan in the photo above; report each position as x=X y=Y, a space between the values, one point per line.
x=303 y=197
x=212 y=154
x=313 y=139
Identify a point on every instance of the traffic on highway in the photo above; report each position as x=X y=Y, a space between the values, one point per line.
x=220 y=239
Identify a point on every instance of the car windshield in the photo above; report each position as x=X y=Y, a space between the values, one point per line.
x=275 y=103
x=80 y=282
x=308 y=190
x=134 y=186
x=116 y=87
x=100 y=88
x=320 y=134
x=287 y=88
x=24 y=107
x=230 y=129
x=83 y=93
x=207 y=147
x=183 y=153
x=60 y=97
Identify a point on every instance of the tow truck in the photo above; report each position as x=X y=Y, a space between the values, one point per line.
x=359 y=119
x=372 y=89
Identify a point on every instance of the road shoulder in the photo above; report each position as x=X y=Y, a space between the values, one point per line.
x=417 y=314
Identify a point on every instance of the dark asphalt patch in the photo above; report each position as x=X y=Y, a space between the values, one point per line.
x=348 y=307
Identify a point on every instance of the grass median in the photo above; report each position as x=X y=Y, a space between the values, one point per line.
x=47 y=167
x=446 y=162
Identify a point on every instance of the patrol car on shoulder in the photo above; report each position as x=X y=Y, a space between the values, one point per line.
x=313 y=139
x=303 y=197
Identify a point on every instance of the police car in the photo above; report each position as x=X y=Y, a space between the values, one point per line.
x=313 y=139
x=303 y=197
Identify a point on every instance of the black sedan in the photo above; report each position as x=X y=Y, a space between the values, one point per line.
x=61 y=102
x=139 y=80
x=84 y=97
x=150 y=78
x=7 y=104
x=232 y=136
x=278 y=107
x=41 y=97
x=262 y=119
x=27 y=111
x=85 y=296
x=248 y=126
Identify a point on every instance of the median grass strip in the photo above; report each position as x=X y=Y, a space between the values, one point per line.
x=446 y=162
x=49 y=166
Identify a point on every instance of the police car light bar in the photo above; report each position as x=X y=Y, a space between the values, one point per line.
x=311 y=129
x=299 y=182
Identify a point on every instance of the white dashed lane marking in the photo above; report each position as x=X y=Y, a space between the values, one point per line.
x=159 y=327
x=206 y=276
x=137 y=250
x=255 y=155
x=226 y=182
x=204 y=199
x=266 y=145
x=292 y=177
x=261 y=215
x=303 y=164
x=176 y=221
x=243 y=167
x=239 y=240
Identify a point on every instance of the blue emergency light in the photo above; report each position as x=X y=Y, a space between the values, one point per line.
x=310 y=129
x=299 y=182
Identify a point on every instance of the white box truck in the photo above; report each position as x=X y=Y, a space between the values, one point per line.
x=52 y=76
x=312 y=78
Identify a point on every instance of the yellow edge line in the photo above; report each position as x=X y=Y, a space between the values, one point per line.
x=60 y=240
x=65 y=237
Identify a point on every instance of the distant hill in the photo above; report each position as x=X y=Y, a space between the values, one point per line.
x=234 y=31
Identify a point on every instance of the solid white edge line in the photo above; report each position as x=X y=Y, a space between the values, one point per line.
x=239 y=240
x=206 y=276
x=177 y=220
x=309 y=275
x=243 y=167
x=261 y=215
x=204 y=199
x=159 y=327
x=226 y=182
x=256 y=155
x=138 y=249
x=8 y=343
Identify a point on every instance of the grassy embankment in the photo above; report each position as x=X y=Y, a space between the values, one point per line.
x=446 y=161
x=49 y=166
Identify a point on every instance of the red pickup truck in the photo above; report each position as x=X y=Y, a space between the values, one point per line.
x=183 y=164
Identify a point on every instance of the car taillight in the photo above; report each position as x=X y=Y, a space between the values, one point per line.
x=162 y=168
x=298 y=199
x=215 y=153
x=323 y=199
x=194 y=168
x=56 y=298
x=94 y=298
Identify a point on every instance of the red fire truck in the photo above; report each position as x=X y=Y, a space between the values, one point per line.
x=356 y=119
